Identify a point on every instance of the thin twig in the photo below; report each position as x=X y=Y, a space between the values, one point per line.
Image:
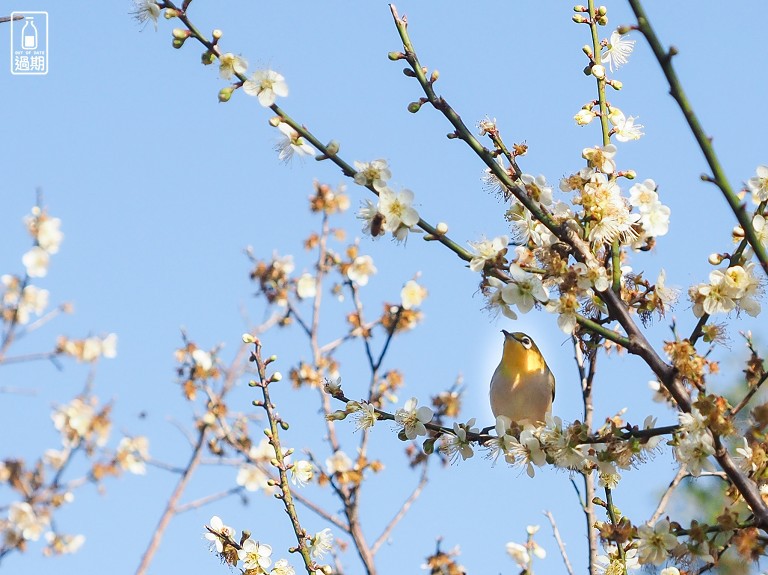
x=170 y=508
x=560 y=543
x=197 y=503
x=403 y=510
x=681 y=474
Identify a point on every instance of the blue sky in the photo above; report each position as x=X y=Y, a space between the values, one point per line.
x=160 y=189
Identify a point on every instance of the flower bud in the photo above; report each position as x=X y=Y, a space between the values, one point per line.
x=272 y=358
x=434 y=76
x=602 y=11
x=208 y=58
x=217 y=34
x=580 y=8
x=170 y=13
x=395 y=56
x=598 y=71
x=277 y=376
x=587 y=49
x=177 y=43
x=579 y=19
x=602 y=21
x=715 y=259
x=414 y=107
x=738 y=232
x=337 y=415
x=332 y=148
x=442 y=228
x=616 y=85
x=408 y=72
x=624 y=29
x=181 y=34
x=248 y=338
x=630 y=174
x=225 y=93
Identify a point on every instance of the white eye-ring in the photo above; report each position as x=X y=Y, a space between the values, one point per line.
x=526 y=341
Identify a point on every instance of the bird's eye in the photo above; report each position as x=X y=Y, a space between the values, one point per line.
x=526 y=341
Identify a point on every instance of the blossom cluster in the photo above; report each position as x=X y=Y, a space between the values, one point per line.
x=20 y=298
x=733 y=288
x=255 y=557
x=394 y=211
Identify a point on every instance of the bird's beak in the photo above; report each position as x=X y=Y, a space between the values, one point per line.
x=506 y=333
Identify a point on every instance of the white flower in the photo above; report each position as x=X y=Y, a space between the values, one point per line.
x=412 y=295
x=25 y=522
x=49 y=235
x=655 y=222
x=365 y=416
x=36 y=262
x=502 y=442
x=202 y=359
x=744 y=457
x=321 y=543
x=373 y=219
x=252 y=478
x=519 y=554
x=618 y=50
x=132 y=452
x=145 y=10
x=219 y=530
x=694 y=443
x=456 y=443
x=255 y=555
x=375 y=173
x=667 y=295
x=264 y=452
x=306 y=286
x=601 y=157
x=566 y=308
x=229 y=65
x=495 y=298
x=292 y=143
x=413 y=419
x=537 y=189
x=655 y=542
x=33 y=300
x=761 y=229
x=339 y=462
x=670 y=571
x=625 y=128
x=282 y=567
x=487 y=126
x=266 y=85
x=759 y=185
x=643 y=195
x=525 y=289
x=526 y=451
x=361 y=268
x=487 y=251
x=584 y=117
x=718 y=295
x=397 y=209
x=301 y=473
x=527 y=228
x=61 y=544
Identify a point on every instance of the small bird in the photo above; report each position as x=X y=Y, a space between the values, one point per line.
x=522 y=387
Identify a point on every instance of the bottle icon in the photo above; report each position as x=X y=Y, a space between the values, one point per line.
x=29 y=34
